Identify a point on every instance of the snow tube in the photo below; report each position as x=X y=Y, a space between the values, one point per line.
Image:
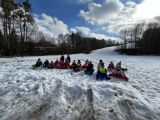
x=119 y=75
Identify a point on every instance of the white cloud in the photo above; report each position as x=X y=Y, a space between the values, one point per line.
x=101 y=13
x=73 y=30
x=124 y=20
x=114 y=15
x=131 y=3
x=116 y=27
x=84 y=1
x=134 y=13
x=50 y=26
x=83 y=30
x=148 y=9
x=88 y=33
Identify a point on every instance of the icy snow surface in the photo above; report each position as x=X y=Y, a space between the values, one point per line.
x=43 y=94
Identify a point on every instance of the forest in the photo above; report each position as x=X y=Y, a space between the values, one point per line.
x=142 y=39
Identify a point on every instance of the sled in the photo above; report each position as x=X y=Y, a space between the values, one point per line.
x=35 y=67
x=119 y=75
x=112 y=69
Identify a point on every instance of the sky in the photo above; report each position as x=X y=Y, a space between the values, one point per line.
x=103 y=19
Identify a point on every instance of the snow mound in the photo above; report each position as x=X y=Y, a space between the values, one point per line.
x=43 y=94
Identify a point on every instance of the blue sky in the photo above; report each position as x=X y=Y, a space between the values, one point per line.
x=66 y=10
x=94 y=18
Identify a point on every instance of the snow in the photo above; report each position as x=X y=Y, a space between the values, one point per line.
x=43 y=94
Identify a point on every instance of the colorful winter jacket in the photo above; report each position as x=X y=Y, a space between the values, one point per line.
x=79 y=65
x=102 y=69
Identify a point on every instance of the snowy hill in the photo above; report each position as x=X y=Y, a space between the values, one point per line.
x=43 y=94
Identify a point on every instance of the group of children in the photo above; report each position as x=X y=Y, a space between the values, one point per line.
x=88 y=66
x=61 y=64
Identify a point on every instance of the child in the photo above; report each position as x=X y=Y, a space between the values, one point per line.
x=111 y=66
x=46 y=63
x=38 y=63
x=66 y=65
x=89 y=70
x=102 y=72
x=62 y=59
x=68 y=59
x=51 y=65
x=85 y=64
x=56 y=64
x=99 y=64
x=73 y=66
x=118 y=66
x=78 y=66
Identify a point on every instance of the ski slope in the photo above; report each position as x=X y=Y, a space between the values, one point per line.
x=43 y=94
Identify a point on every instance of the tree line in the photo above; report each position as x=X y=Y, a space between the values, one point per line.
x=72 y=43
x=19 y=34
x=75 y=43
x=143 y=38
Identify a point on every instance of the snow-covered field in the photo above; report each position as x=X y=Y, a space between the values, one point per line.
x=43 y=94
